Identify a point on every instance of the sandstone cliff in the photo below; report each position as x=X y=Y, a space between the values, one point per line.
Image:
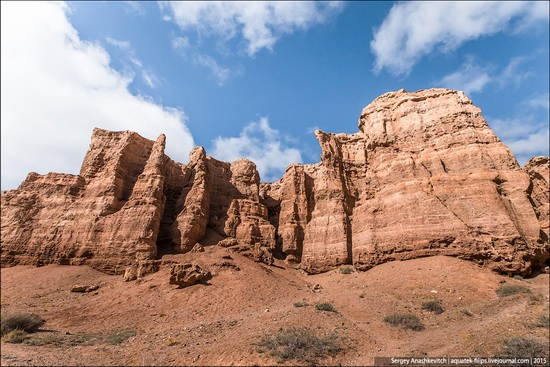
x=424 y=176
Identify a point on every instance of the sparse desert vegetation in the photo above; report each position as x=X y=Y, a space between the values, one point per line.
x=301 y=304
x=542 y=321
x=299 y=345
x=20 y=321
x=150 y=322
x=523 y=347
x=433 y=306
x=406 y=321
x=114 y=337
x=15 y=336
x=511 y=289
x=325 y=306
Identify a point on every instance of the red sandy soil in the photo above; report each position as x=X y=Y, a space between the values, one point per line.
x=218 y=323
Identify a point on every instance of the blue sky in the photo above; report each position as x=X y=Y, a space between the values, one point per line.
x=255 y=79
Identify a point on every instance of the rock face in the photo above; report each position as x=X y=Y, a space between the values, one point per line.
x=129 y=205
x=424 y=176
x=539 y=191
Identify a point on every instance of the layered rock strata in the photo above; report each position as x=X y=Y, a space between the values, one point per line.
x=425 y=175
x=129 y=205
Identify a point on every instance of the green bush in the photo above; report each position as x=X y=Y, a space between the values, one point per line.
x=521 y=347
x=299 y=344
x=20 y=321
x=433 y=306
x=406 y=321
x=15 y=336
x=346 y=270
x=511 y=289
x=325 y=306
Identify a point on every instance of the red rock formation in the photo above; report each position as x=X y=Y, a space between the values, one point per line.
x=130 y=202
x=190 y=224
x=538 y=169
x=107 y=216
x=425 y=175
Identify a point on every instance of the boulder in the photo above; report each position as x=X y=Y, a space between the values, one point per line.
x=185 y=275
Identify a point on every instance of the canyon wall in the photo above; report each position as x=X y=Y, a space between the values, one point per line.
x=423 y=176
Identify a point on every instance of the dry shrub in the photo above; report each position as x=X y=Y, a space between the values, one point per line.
x=511 y=289
x=20 y=321
x=325 y=306
x=299 y=344
x=433 y=306
x=406 y=321
x=521 y=347
x=15 y=336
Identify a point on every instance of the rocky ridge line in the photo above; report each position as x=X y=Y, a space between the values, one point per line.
x=423 y=176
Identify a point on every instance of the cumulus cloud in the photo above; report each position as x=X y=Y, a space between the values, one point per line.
x=259 y=23
x=56 y=88
x=414 y=29
x=267 y=147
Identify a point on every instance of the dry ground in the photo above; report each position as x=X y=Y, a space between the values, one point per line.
x=218 y=323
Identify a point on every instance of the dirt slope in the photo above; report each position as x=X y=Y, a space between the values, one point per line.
x=219 y=322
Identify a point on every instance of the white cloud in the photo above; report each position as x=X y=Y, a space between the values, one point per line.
x=180 y=43
x=148 y=76
x=220 y=73
x=540 y=101
x=265 y=146
x=472 y=77
x=532 y=145
x=469 y=78
x=414 y=29
x=56 y=88
x=134 y=7
x=514 y=72
x=123 y=45
x=259 y=23
x=217 y=72
x=526 y=136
